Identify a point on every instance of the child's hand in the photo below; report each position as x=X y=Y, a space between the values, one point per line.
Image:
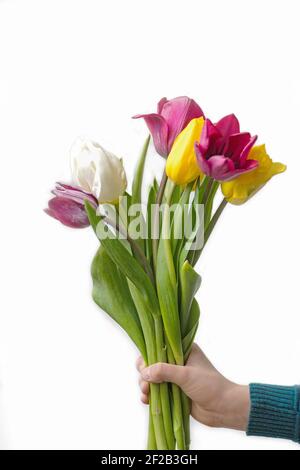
x=216 y=401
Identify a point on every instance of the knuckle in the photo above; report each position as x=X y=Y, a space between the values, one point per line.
x=158 y=371
x=144 y=387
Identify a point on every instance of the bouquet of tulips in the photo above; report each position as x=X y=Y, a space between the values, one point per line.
x=143 y=272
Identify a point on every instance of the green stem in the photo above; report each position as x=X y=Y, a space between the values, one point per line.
x=151 y=433
x=214 y=220
x=212 y=225
x=166 y=276
x=156 y=412
x=155 y=231
x=148 y=328
x=209 y=203
x=164 y=389
x=207 y=190
x=137 y=182
x=178 y=423
x=136 y=197
x=186 y=411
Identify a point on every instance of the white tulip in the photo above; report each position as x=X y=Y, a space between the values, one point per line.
x=97 y=171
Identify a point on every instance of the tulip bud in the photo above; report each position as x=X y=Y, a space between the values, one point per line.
x=222 y=152
x=182 y=166
x=68 y=205
x=245 y=186
x=171 y=118
x=97 y=171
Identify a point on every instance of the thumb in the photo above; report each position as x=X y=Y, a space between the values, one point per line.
x=162 y=372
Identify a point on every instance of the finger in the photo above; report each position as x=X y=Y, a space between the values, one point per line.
x=144 y=386
x=144 y=399
x=162 y=372
x=140 y=364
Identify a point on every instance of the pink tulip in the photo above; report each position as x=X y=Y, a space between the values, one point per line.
x=171 y=118
x=68 y=205
x=223 y=150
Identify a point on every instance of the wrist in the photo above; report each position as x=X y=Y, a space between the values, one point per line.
x=235 y=407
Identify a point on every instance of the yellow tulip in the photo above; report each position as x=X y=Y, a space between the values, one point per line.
x=182 y=166
x=245 y=186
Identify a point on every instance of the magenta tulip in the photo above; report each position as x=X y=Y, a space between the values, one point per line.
x=171 y=118
x=68 y=205
x=223 y=150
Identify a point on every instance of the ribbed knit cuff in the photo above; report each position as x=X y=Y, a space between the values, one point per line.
x=275 y=412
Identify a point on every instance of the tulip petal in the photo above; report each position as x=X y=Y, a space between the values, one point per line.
x=74 y=193
x=250 y=166
x=182 y=166
x=158 y=128
x=201 y=160
x=220 y=167
x=209 y=137
x=247 y=149
x=236 y=144
x=171 y=119
x=241 y=189
x=68 y=212
x=161 y=104
x=178 y=113
x=228 y=125
x=97 y=171
x=277 y=168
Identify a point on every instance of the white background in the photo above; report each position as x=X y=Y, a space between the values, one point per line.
x=84 y=67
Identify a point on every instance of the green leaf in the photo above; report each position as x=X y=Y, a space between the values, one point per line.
x=194 y=255
x=200 y=191
x=190 y=282
x=103 y=232
x=111 y=293
x=92 y=215
x=192 y=327
x=129 y=266
x=183 y=248
x=141 y=288
x=124 y=206
x=138 y=176
x=188 y=341
x=178 y=219
x=209 y=203
x=147 y=322
x=176 y=195
x=150 y=202
x=137 y=190
x=168 y=292
x=186 y=250
x=155 y=185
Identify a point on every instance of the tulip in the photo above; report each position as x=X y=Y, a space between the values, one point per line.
x=171 y=118
x=97 y=171
x=182 y=166
x=223 y=150
x=68 y=205
x=245 y=186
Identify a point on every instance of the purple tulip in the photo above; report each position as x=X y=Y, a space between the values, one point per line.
x=171 y=118
x=223 y=150
x=68 y=205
